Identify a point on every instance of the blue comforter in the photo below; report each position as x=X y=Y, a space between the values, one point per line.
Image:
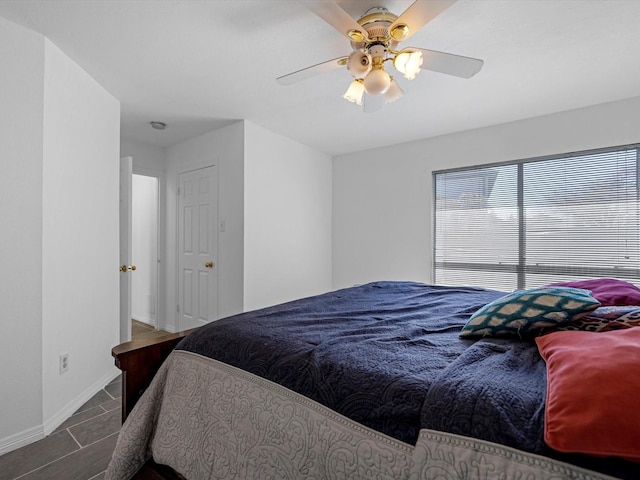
x=494 y=391
x=370 y=352
x=388 y=355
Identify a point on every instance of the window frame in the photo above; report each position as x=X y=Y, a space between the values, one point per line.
x=521 y=269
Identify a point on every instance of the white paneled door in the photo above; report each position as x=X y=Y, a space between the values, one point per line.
x=197 y=247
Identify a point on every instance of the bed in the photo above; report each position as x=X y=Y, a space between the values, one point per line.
x=388 y=380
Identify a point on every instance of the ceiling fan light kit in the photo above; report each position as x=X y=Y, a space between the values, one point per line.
x=394 y=92
x=374 y=38
x=355 y=91
x=377 y=81
x=359 y=63
x=408 y=62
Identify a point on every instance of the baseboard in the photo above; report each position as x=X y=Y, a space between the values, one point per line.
x=17 y=440
x=64 y=413
x=38 y=432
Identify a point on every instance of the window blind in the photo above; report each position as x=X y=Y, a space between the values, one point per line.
x=531 y=222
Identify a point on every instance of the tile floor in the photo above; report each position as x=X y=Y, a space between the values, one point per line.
x=79 y=449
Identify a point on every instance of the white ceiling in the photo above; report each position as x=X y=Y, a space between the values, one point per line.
x=199 y=65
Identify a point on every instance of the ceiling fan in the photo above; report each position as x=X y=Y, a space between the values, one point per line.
x=374 y=40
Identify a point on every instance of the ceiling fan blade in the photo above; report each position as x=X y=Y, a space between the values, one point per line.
x=465 y=67
x=372 y=103
x=335 y=16
x=312 y=71
x=417 y=16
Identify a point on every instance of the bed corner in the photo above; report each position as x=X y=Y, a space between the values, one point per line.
x=139 y=360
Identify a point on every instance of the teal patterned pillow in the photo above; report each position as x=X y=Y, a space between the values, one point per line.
x=529 y=312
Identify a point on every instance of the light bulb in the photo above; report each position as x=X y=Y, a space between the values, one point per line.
x=377 y=82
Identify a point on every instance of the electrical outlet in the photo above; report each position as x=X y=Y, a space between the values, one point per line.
x=64 y=363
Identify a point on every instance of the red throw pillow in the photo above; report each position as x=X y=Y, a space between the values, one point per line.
x=593 y=385
x=608 y=291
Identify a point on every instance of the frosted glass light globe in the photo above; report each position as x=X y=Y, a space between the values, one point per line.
x=359 y=63
x=408 y=62
x=354 y=92
x=377 y=82
x=394 y=92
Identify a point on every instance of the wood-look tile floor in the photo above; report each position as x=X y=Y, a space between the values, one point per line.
x=143 y=330
x=80 y=448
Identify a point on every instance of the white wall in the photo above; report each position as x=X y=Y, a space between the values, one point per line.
x=22 y=53
x=80 y=235
x=147 y=159
x=60 y=216
x=382 y=198
x=287 y=214
x=225 y=149
x=274 y=196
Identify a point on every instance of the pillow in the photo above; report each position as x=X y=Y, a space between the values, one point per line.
x=593 y=382
x=527 y=312
x=604 y=319
x=608 y=291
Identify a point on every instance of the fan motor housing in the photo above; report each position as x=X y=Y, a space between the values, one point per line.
x=377 y=26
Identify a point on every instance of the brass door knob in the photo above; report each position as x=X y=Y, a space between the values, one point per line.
x=209 y=265
x=124 y=268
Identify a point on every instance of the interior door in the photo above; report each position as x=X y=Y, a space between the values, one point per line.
x=126 y=171
x=197 y=247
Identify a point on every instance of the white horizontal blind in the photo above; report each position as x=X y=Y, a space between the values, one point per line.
x=529 y=223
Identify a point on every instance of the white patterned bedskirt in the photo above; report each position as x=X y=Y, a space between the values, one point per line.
x=209 y=420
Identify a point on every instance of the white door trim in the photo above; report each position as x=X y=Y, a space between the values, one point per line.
x=162 y=235
x=126 y=168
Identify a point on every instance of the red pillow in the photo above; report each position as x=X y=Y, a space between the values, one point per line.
x=593 y=385
x=608 y=291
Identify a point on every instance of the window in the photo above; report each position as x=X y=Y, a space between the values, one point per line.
x=532 y=222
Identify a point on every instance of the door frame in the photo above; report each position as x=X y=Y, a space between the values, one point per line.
x=126 y=169
x=161 y=273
